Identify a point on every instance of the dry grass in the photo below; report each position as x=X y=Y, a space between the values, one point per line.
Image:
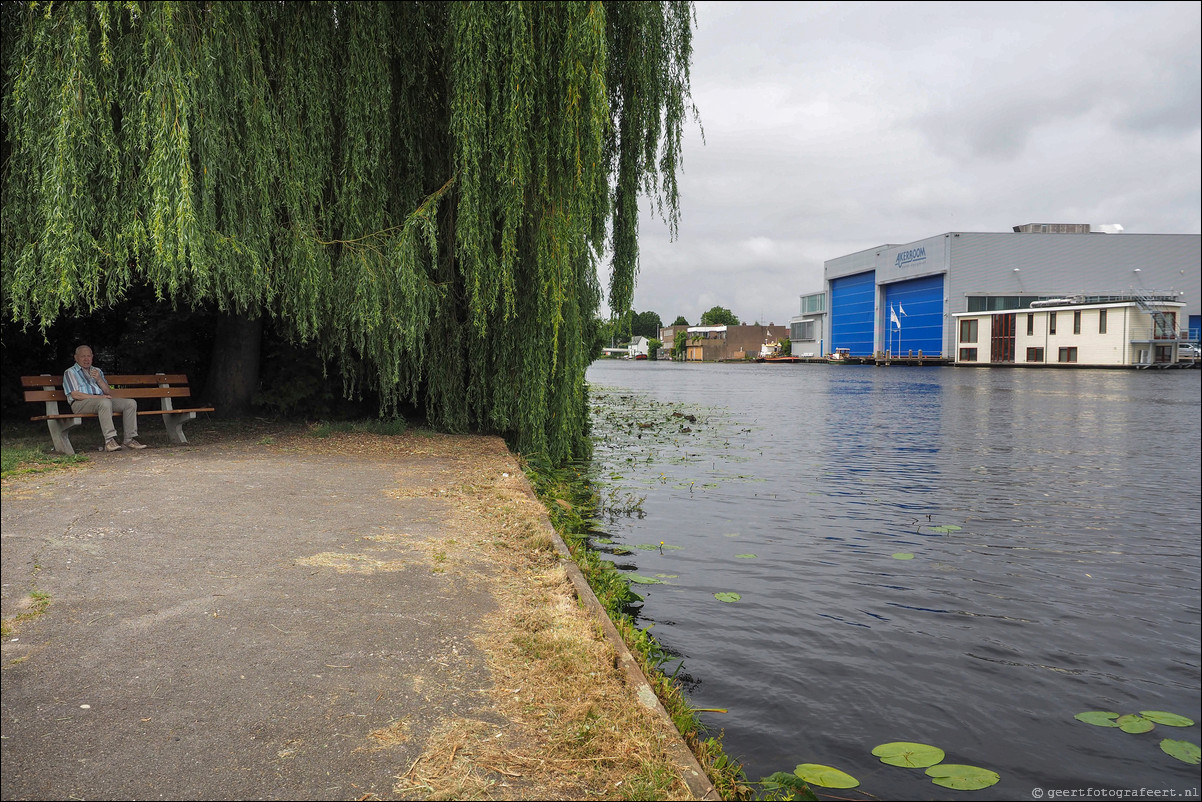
x=573 y=727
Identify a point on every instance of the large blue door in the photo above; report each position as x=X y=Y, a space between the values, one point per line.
x=853 y=308
x=918 y=307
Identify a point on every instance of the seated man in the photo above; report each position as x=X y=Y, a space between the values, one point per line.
x=89 y=393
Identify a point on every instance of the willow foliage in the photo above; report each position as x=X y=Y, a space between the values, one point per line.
x=425 y=190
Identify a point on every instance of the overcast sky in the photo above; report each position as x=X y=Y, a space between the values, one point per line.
x=835 y=127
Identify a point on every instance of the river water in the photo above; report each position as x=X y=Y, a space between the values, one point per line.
x=959 y=557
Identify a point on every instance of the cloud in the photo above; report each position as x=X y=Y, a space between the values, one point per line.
x=835 y=127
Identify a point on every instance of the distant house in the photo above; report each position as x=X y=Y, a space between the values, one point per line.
x=1082 y=332
x=725 y=343
x=637 y=348
x=667 y=336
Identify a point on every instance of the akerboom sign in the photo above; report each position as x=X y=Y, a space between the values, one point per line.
x=912 y=256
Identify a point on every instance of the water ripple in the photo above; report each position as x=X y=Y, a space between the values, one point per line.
x=1055 y=524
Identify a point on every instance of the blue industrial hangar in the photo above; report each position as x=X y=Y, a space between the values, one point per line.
x=900 y=298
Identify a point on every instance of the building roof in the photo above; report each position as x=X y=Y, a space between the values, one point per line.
x=1072 y=306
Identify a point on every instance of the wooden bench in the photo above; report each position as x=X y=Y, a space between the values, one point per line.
x=164 y=386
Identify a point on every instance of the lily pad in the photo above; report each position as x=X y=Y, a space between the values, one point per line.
x=946 y=528
x=827 y=777
x=643 y=580
x=903 y=555
x=745 y=556
x=1185 y=751
x=908 y=755
x=790 y=782
x=962 y=778
x=1098 y=718
x=1134 y=723
x=1168 y=719
x=727 y=596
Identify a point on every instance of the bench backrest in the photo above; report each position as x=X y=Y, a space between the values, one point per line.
x=49 y=387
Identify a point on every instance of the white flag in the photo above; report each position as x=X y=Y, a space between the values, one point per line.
x=893 y=318
x=902 y=310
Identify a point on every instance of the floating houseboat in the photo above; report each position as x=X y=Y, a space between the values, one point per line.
x=1132 y=331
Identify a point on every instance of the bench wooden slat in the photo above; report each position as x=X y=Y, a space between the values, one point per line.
x=125 y=379
x=147 y=378
x=117 y=392
x=117 y=414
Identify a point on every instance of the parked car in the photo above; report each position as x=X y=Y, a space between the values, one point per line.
x=1188 y=351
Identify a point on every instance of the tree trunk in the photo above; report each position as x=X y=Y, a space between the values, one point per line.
x=234 y=372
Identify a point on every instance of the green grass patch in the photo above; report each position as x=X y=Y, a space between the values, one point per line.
x=390 y=427
x=17 y=459
x=34 y=605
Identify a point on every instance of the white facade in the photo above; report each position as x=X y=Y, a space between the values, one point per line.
x=1123 y=334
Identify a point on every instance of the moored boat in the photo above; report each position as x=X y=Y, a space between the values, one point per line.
x=840 y=356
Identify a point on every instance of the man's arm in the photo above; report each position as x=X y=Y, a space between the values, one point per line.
x=73 y=381
x=71 y=386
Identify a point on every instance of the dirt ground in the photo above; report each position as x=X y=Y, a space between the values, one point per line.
x=279 y=616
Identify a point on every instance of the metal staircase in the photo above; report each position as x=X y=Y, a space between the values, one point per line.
x=1160 y=332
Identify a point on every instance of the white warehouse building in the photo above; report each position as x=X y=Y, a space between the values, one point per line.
x=900 y=299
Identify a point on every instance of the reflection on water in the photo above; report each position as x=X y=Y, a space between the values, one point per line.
x=1054 y=522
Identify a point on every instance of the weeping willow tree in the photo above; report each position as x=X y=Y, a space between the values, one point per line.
x=425 y=191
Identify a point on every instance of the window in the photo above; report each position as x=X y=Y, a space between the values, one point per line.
x=1077 y=322
x=968 y=354
x=813 y=304
x=1164 y=325
x=1102 y=321
x=968 y=331
x=1052 y=323
x=802 y=330
x=1068 y=354
x=1030 y=323
x=1001 y=342
x=1034 y=354
x=996 y=303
